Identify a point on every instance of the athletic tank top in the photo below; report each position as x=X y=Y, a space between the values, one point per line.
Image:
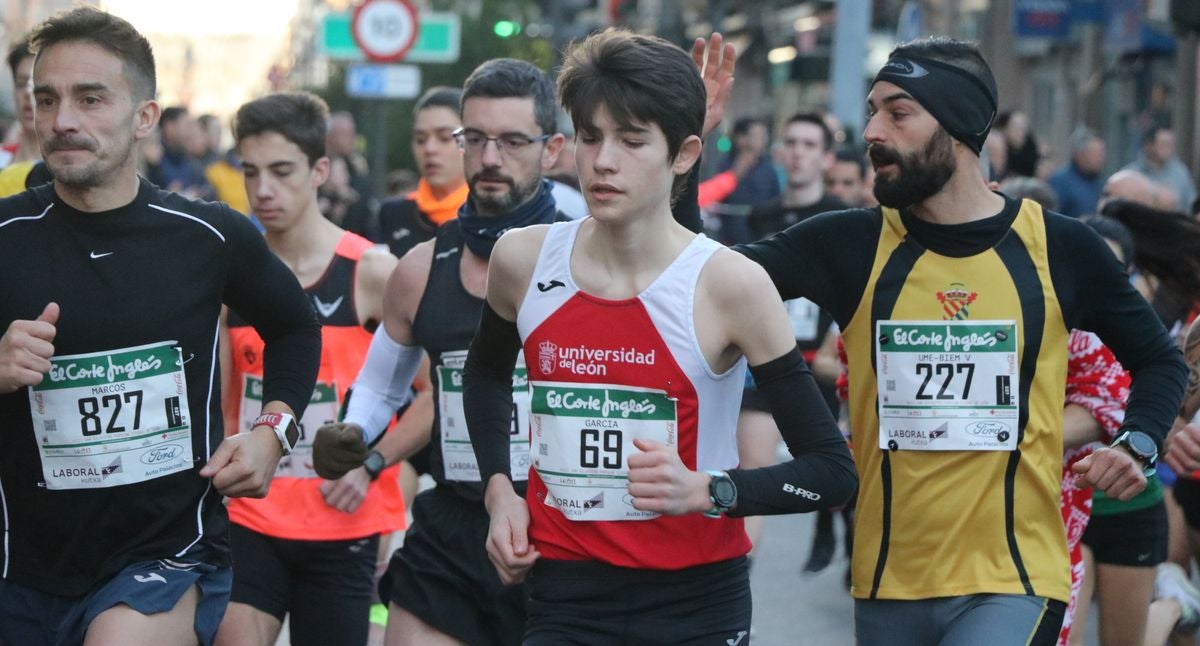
x=444 y=326
x=937 y=523
x=602 y=372
x=294 y=508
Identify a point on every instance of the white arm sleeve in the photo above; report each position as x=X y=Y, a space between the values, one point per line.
x=383 y=385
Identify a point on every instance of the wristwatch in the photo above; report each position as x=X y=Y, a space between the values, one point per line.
x=721 y=492
x=374 y=464
x=1140 y=446
x=285 y=429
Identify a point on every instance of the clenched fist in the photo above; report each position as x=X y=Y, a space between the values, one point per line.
x=338 y=448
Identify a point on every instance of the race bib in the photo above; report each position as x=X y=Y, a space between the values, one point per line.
x=458 y=457
x=112 y=418
x=947 y=385
x=322 y=409
x=583 y=435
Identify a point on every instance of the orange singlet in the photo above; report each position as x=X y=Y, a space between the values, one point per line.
x=295 y=509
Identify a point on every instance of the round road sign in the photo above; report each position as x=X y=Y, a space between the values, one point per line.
x=384 y=29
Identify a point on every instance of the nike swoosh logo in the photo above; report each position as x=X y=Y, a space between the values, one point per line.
x=400 y=233
x=906 y=68
x=445 y=254
x=146 y=578
x=95 y=255
x=735 y=642
x=545 y=287
x=327 y=309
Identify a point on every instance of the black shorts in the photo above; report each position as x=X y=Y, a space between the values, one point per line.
x=443 y=576
x=1187 y=494
x=1133 y=538
x=325 y=586
x=585 y=602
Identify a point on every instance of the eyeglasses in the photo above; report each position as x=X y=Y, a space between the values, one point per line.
x=509 y=144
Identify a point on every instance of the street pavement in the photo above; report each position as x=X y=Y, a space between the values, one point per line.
x=795 y=609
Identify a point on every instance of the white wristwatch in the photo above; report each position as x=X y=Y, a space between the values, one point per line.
x=285 y=429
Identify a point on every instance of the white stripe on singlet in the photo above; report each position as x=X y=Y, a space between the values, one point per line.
x=28 y=217
x=207 y=437
x=190 y=217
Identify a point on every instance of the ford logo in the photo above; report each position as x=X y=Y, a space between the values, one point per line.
x=988 y=429
x=160 y=454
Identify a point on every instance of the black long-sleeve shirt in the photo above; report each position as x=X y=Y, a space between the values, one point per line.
x=828 y=258
x=155 y=270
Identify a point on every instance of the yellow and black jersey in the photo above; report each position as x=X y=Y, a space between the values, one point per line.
x=956 y=522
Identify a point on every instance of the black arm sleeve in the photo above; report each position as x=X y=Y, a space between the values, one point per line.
x=821 y=473
x=1097 y=296
x=487 y=392
x=266 y=293
x=826 y=259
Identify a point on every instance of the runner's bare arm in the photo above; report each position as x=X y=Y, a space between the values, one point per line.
x=1079 y=427
x=751 y=321
x=409 y=434
x=487 y=399
x=375 y=269
x=383 y=384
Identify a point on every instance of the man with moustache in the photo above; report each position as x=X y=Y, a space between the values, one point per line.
x=440 y=586
x=113 y=466
x=955 y=304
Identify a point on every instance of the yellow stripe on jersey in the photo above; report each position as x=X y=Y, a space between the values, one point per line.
x=950 y=523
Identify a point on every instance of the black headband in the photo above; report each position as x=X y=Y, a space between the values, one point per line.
x=965 y=110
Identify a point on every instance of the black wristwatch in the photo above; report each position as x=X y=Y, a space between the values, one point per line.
x=374 y=464
x=721 y=492
x=1140 y=446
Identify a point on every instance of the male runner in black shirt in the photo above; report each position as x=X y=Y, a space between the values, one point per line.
x=112 y=463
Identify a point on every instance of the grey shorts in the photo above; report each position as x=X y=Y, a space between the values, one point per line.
x=973 y=620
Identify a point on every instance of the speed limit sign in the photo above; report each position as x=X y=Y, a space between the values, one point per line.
x=384 y=29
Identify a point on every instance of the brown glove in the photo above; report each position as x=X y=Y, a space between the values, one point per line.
x=338 y=448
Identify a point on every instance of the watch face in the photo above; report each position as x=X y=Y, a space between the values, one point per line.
x=292 y=433
x=1142 y=444
x=723 y=492
x=373 y=462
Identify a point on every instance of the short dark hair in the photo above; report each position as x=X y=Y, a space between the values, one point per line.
x=962 y=54
x=207 y=119
x=114 y=34
x=18 y=53
x=852 y=156
x=299 y=117
x=440 y=96
x=1151 y=133
x=637 y=78
x=744 y=124
x=171 y=114
x=503 y=78
x=816 y=120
